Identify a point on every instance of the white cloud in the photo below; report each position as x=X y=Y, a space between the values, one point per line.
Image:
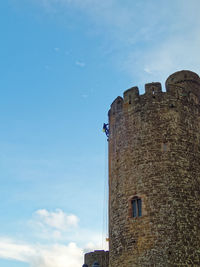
x=146 y=69
x=56 y=255
x=58 y=219
x=13 y=250
x=80 y=64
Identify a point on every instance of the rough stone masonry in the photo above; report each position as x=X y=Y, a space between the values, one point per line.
x=154 y=156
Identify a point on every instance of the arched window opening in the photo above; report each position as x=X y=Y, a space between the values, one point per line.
x=136 y=204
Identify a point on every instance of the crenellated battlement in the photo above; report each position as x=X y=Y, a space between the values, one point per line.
x=180 y=84
x=153 y=88
x=131 y=95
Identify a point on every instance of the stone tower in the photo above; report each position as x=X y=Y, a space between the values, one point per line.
x=99 y=256
x=154 y=175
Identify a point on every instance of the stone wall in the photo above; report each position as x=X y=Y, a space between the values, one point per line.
x=100 y=256
x=154 y=154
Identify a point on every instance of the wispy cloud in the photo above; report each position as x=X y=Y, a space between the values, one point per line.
x=80 y=64
x=56 y=255
x=152 y=38
x=56 y=49
x=84 y=96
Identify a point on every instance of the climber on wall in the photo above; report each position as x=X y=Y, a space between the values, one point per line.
x=106 y=129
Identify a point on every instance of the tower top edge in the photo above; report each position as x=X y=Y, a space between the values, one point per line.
x=181 y=80
x=181 y=77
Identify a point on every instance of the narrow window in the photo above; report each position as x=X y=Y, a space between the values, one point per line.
x=136 y=207
x=129 y=99
x=164 y=147
x=153 y=92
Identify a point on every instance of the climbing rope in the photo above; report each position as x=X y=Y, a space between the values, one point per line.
x=105 y=199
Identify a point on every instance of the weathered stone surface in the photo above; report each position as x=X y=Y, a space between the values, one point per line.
x=100 y=256
x=154 y=153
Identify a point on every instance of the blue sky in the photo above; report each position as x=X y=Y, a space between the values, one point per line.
x=62 y=63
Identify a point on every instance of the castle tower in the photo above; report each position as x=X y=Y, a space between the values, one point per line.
x=154 y=175
x=98 y=257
